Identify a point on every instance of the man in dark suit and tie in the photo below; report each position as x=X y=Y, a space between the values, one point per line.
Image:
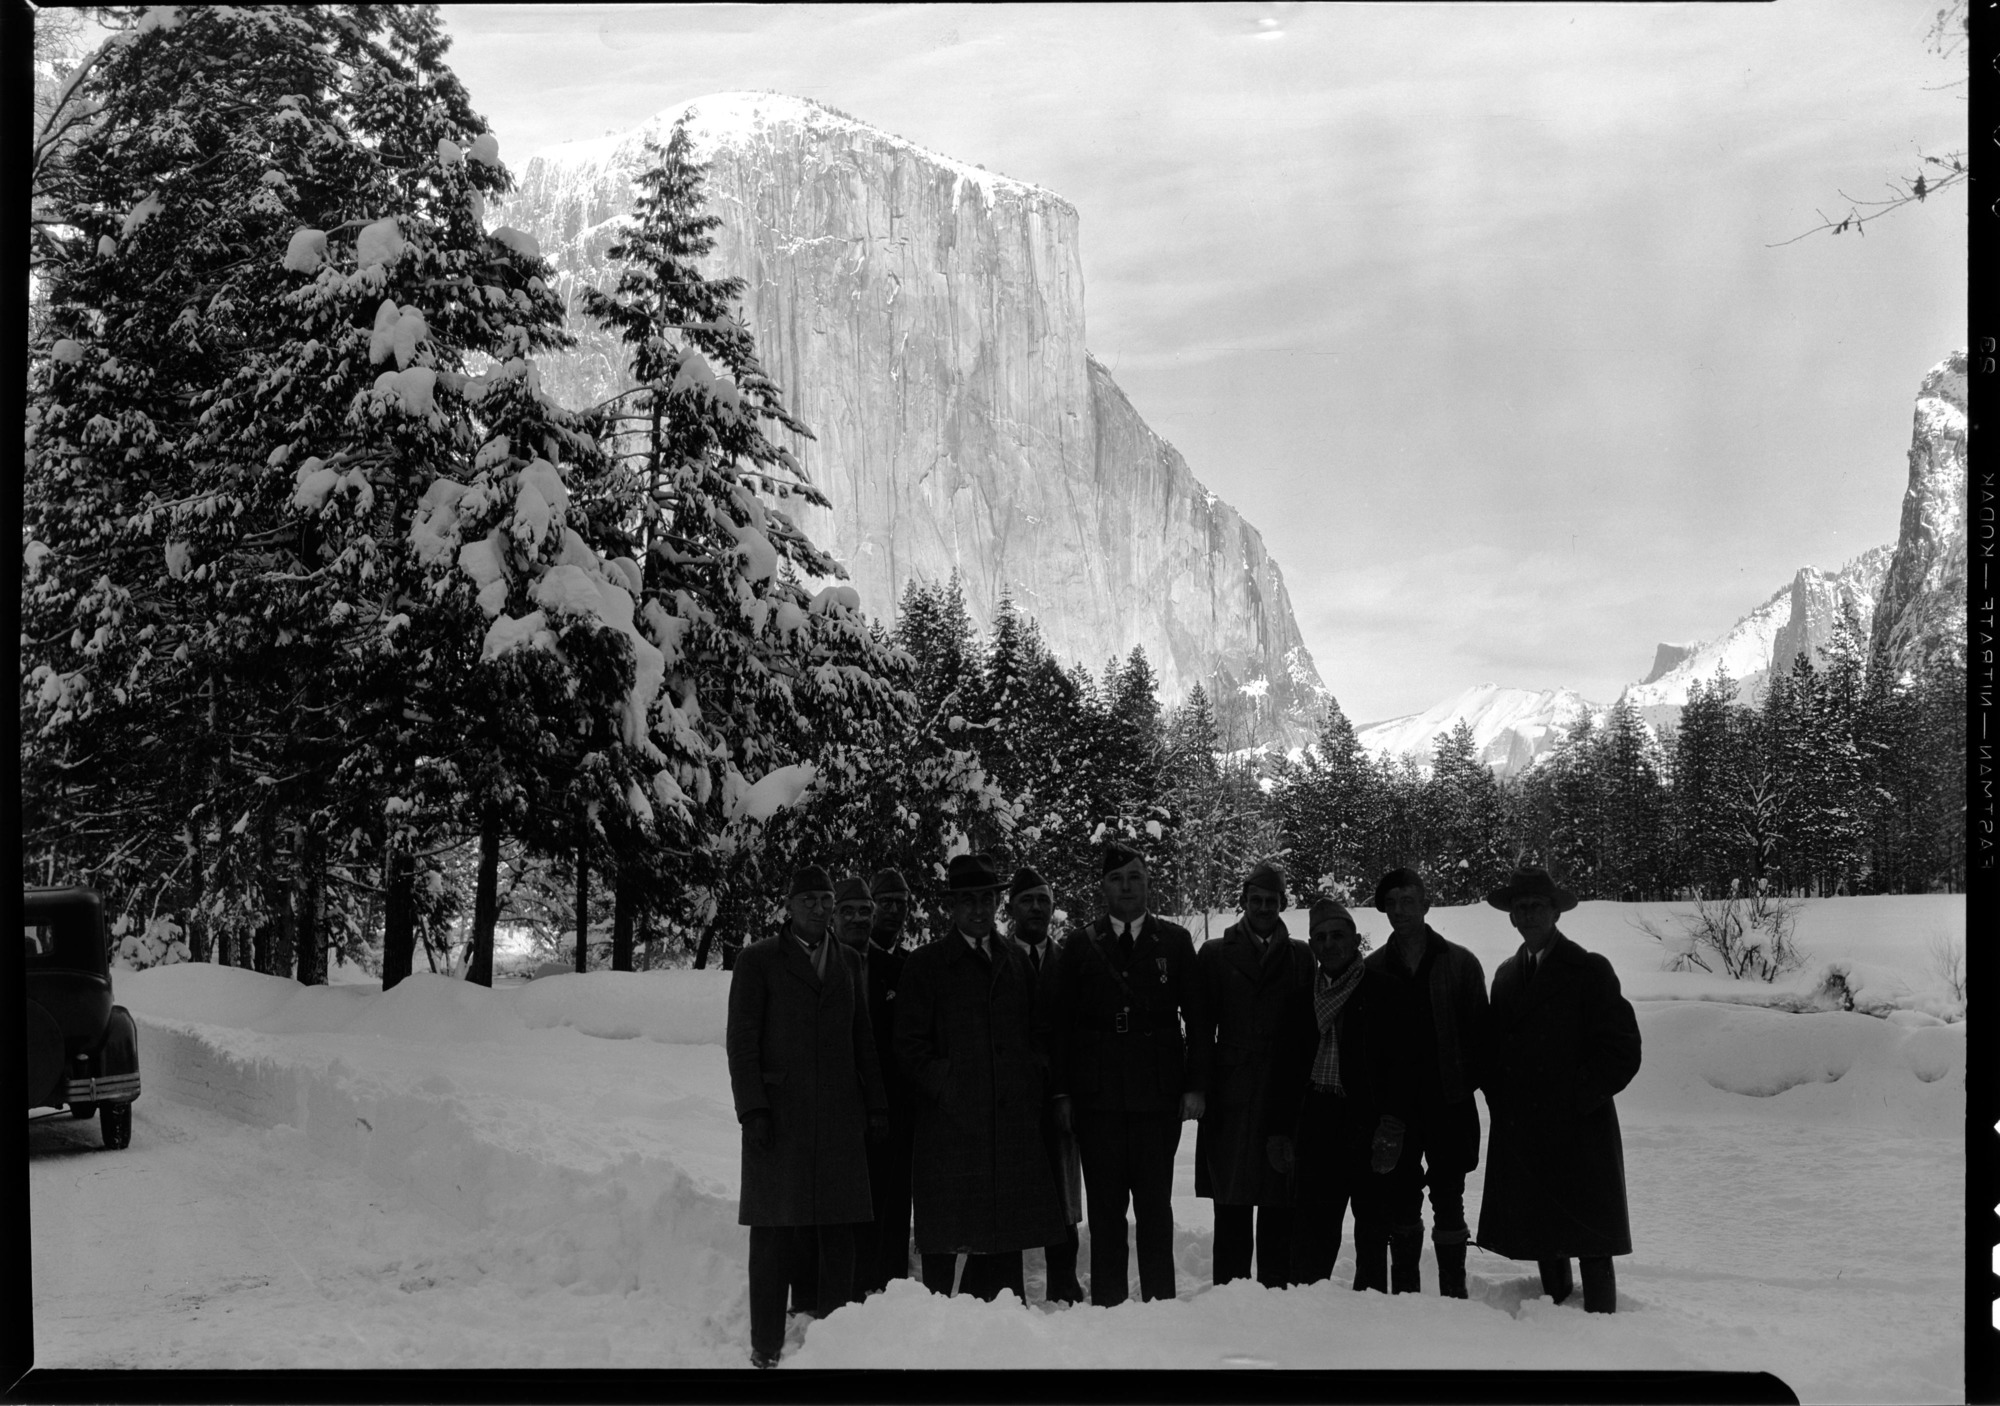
x=808 y=1092
x=1125 y=1075
x=971 y=1036
x=1031 y=904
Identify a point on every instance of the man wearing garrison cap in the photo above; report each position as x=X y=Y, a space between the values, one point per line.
x=1031 y=904
x=1126 y=1075
x=1250 y=978
x=808 y=1092
x=885 y=1250
x=1434 y=995
x=970 y=1036
x=1565 y=1041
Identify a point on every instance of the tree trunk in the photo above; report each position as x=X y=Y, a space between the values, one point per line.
x=309 y=902
x=485 y=903
x=582 y=908
x=399 y=917
x=701 y=948
x=197 y=930
x=260 y=947
x=624 y=906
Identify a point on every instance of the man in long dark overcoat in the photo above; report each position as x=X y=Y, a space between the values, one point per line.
x=1337 y=1105
x=1030 y=907
x=1435 y=998
x=1131 y=1061
x=971 y=1035
x=1250 y=977
x=889 y=1155
x=1565 y=1041
x=808 y=1092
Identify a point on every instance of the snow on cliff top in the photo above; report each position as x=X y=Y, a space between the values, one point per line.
x=1491 y=709
x=737 y=118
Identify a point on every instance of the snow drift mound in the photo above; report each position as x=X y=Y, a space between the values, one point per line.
x=672 y=1007
x=596 y=1163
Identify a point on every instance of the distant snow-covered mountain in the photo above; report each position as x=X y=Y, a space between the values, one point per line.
x=1512 y=727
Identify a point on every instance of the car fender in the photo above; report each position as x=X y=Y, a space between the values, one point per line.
x=119 y=1054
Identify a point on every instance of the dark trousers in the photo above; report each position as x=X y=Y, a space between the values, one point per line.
x=1129 y=1157
x=776 y=1252
x=882 y=1248
x=1272 y=1238
x=1063 y=1286
x=985 y=1275
x=1329 y=1169
x=1440 y=1145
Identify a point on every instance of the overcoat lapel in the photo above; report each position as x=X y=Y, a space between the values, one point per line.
x=1551 y=975
x=798 y=963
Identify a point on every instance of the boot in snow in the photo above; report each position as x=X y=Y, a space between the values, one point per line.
x=1556 y=1281
x=1371 y=1260
x=1600 y=1285
x=1406 y=1249
x=1451 y=1270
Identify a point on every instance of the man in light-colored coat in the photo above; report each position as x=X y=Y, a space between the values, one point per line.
x=808 y=1092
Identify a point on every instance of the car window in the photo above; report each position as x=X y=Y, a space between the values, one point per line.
x=41 y=939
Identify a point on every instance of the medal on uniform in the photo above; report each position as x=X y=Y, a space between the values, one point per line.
x=1163 y=969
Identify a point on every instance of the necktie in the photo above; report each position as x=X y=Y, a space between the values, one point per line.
x=819 y=959
x=1125 y=943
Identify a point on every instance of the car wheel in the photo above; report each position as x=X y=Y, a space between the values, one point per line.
x=115 y=1123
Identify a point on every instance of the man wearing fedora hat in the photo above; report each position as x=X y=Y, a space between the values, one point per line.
x=971 y=1037
x=1250 y=977
x=1565 y=1042
x=1125 y=1074
x=1030 y=906
x=808 y=1092
x=889 y=1155
x=1434 y=999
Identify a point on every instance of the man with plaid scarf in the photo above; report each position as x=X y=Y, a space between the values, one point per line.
x=1336 y=1107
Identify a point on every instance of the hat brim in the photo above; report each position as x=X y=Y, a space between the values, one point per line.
x=1560 y=899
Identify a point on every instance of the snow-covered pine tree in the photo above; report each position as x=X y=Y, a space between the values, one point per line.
x=759 y=671
x=1469 y=848
x=270 y=282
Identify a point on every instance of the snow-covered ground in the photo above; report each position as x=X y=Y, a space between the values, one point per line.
x=545 y=1175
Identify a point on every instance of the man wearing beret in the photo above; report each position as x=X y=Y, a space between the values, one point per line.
x=1250 y=978
x=1565 y=1041
x=1435 y=995
x=970 y=1036
x=1031 y=903
x=808 y=1092
x=1126 y=1075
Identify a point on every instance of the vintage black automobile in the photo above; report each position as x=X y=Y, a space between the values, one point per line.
x=83 y=1052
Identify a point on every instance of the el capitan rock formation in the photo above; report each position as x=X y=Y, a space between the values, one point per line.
x=1922 y=601
x=926 y=319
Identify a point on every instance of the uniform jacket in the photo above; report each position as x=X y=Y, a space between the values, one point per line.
x=1147 y=1067
x=1247 y=992
x=1565 y=1041
x=972 y=1040
x=885 y=974
x=803 y=1048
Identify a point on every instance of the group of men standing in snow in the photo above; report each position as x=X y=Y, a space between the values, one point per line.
x=997 y=1088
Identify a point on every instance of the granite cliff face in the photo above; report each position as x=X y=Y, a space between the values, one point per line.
x=926 y=319
x=1820 y=602
x=1513 y=728
x=1922 y=604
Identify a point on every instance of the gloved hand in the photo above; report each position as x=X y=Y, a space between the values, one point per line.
x=1387 y=1149
x=1278 y=1148
x=1064 y=1121
x=758 y=1130
x=1193 y=1105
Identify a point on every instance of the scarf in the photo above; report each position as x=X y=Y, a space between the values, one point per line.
x=1329 y=995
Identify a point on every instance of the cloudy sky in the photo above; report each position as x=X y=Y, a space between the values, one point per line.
x=1471 y=309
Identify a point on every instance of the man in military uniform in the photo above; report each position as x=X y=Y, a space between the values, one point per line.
x=1030 y=906
x=1434 y=1000
x=971 y=1037
x=1125 y=1074
x=808 y=1092
x=1250 y=978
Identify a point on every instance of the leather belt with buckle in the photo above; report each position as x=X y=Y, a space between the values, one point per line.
x=1123 y=1025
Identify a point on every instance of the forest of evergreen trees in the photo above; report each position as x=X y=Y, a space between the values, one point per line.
x=341 y=637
